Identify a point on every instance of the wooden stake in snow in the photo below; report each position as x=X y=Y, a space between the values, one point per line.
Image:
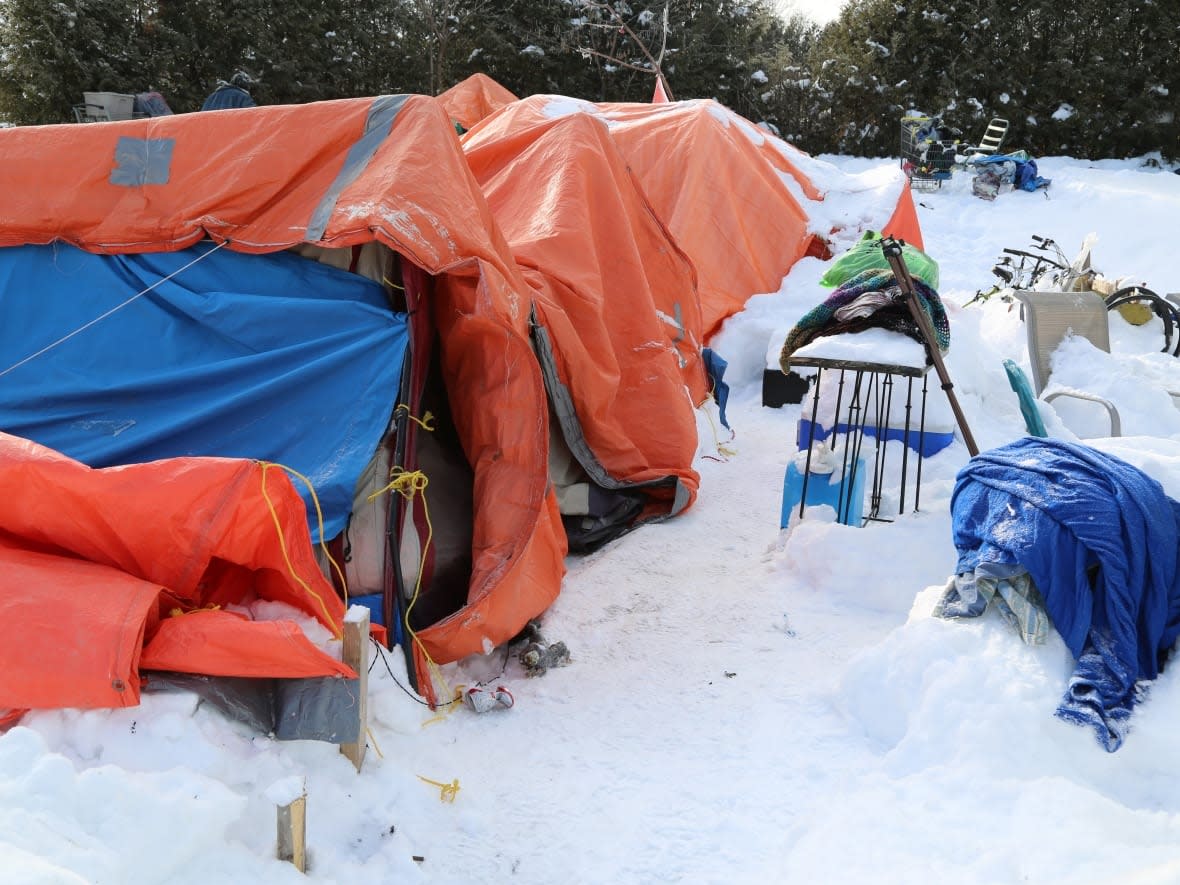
x=290 y=795
x=356 y=654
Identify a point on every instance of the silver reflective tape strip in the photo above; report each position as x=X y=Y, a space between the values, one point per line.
x=378 y=124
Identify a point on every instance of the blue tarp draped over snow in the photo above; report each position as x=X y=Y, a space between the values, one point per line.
x=271 y=357
x=1056 y=509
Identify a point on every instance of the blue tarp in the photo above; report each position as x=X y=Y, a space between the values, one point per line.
x=1058 y=509
x=715 y=368
x=270 y=357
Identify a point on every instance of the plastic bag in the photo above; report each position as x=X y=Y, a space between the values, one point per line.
x=867 y=255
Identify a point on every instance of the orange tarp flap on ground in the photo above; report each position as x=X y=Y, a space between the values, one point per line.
x=337 y=173
x=71 y=631
x=183 y=532
x=470 y=100
x=210 y=642
x=613 y=290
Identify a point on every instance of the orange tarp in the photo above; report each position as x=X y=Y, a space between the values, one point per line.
x=338 y=173
x=95 y=562
x=903 y=223
x=213 y=642
x=723 y=197
x=470 y=100
x=734 y=197
x=71 y=631
x=612 y=288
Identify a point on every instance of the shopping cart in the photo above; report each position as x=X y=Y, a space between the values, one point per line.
x=927 y=157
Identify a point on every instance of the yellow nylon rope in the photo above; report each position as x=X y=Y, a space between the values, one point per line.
x=178 y=611
x=722 y=447
x=426 y=422
x=447 y=792
x=372 y=738
x=266 y=465
x=409 y=484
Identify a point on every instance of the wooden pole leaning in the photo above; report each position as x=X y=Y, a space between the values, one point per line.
x=893 y=254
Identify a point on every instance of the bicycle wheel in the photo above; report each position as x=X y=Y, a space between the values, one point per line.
x=1161 y=307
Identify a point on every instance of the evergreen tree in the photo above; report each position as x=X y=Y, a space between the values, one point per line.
x=722 y=51
x=522 y=45
x=372 y=36
x=1088 y=79
x=294 y=51
x=787 y=95
x=51 y=52
x=855 y=108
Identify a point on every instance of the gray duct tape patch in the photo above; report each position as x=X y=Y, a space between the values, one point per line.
x=140 y=161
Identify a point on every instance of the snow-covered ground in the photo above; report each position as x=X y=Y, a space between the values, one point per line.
x=744 y=704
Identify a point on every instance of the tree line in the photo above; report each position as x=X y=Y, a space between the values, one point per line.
x=1094 y=78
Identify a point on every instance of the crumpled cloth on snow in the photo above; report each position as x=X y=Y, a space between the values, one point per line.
x=1007 y=588
x=1057 y=509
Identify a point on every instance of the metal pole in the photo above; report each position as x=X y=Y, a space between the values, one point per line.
x=892 y=249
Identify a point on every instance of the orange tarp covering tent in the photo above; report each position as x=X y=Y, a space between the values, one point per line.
x=734 y=197
x=95 y=562
x=337 y=174
x=615 y=297
x=721 y=195
x=470 y=100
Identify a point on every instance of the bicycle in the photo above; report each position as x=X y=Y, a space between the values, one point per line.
x=1049 y=270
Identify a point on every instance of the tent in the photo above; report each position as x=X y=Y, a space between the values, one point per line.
x=376 y=186
x=735 y=197
x=177 y=315
x=617 y=321
x=470 y=100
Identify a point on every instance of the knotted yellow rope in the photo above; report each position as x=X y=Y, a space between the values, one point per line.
x=408 y=484
x=426 y=422
x=447 y=792
x=723 y=448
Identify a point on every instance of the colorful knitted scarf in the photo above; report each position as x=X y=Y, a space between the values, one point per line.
x=870 y=300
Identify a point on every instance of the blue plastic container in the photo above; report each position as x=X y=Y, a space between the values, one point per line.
x=821 y=490
x=375 y=603
x=931 y=442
